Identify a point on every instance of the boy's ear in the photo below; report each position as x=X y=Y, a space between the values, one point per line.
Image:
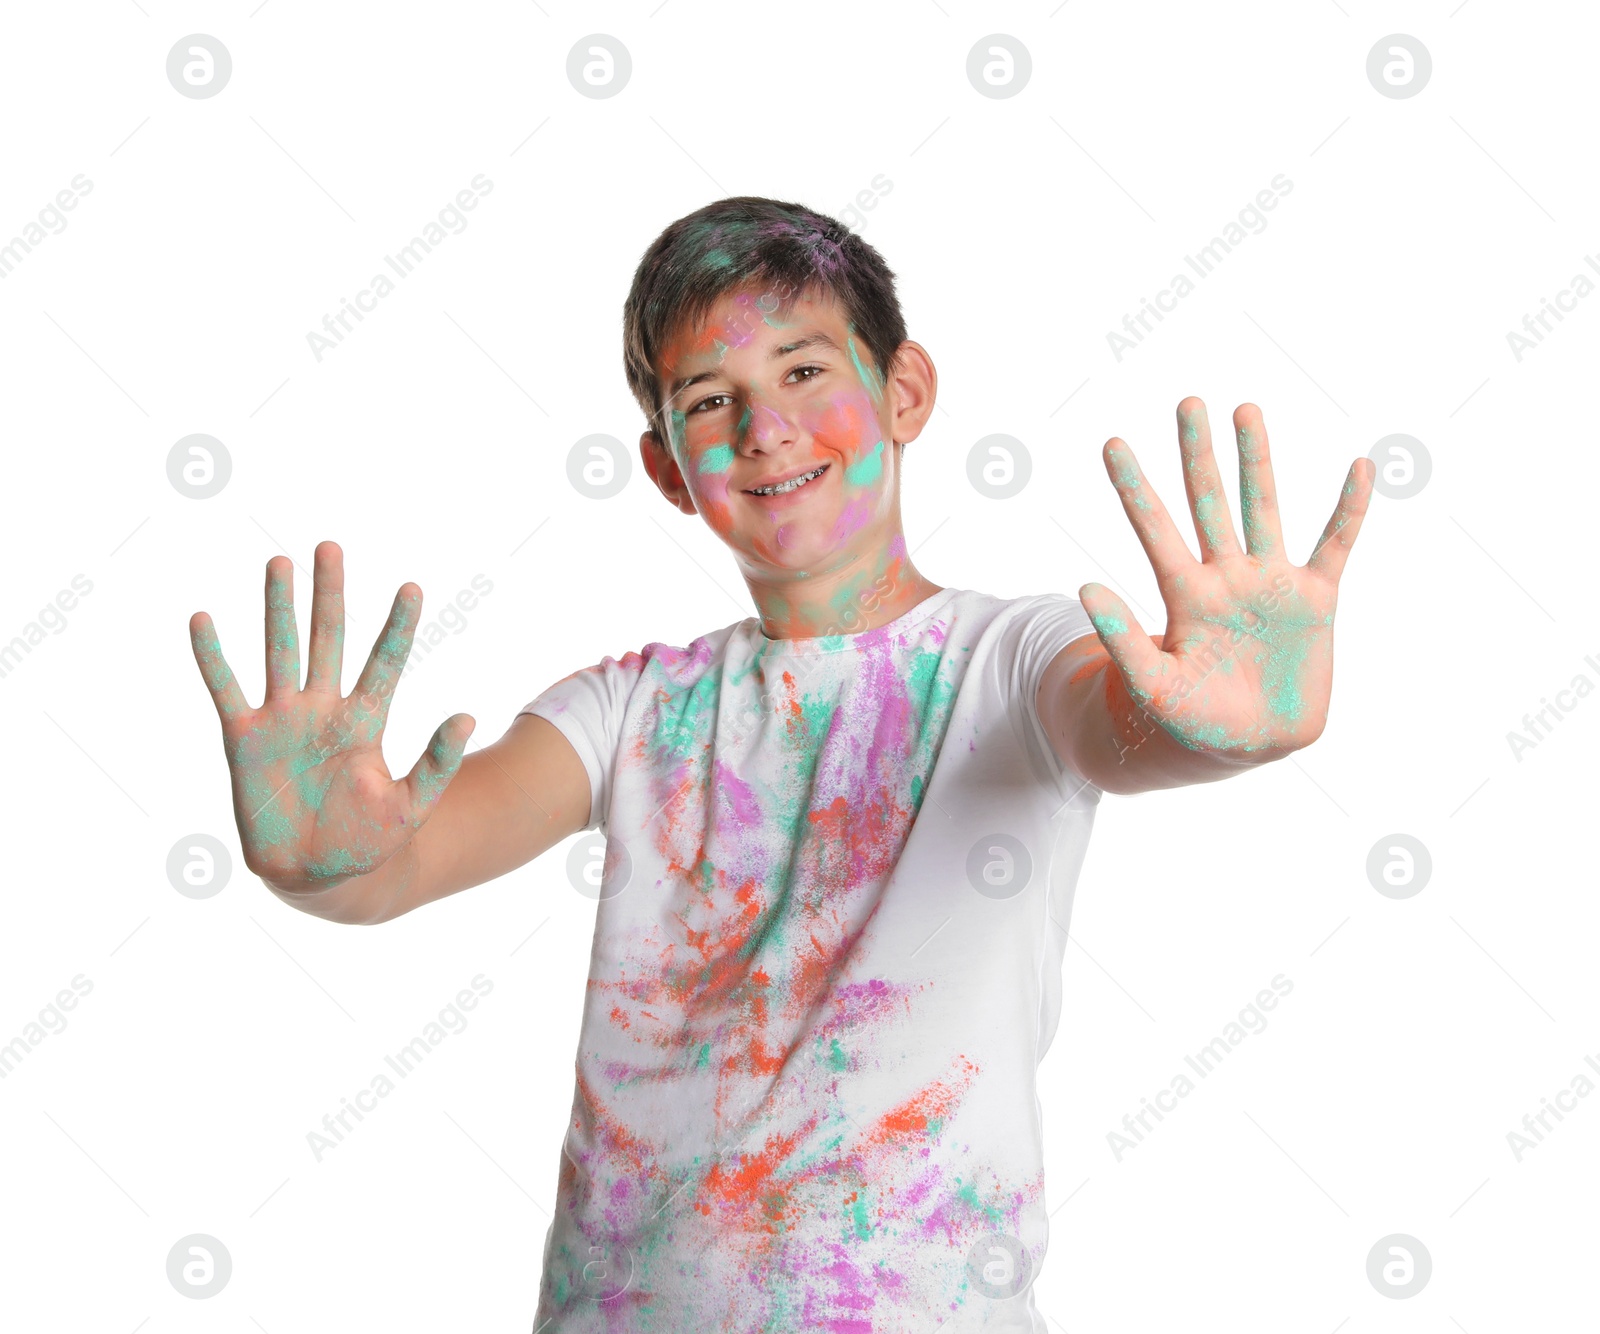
x=916 y=386
x=664 y=472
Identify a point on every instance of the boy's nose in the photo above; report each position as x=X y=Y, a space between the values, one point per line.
x=768 y=427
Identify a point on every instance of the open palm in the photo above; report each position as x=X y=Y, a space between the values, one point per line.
x=313 y=798
x=1246 y=662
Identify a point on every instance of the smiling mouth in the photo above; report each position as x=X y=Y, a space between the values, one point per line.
x=793 y=484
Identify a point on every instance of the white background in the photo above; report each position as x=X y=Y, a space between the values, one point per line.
x=433 y=442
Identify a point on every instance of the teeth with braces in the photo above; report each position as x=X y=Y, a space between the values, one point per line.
x=783 y=488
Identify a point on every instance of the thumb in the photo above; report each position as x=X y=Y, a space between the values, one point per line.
x=1131 y=649
x=437 y=765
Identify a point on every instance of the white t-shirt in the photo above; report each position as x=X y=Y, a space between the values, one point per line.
x=826 y=964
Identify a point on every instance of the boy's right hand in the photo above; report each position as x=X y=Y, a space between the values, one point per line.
x=312 y=796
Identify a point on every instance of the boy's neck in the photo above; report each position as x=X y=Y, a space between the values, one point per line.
x=844 y=603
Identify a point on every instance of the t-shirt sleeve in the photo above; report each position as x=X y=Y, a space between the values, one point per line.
x=588 y=708
x=1038 y=630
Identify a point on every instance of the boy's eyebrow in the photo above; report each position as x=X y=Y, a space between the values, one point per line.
x=816 y=338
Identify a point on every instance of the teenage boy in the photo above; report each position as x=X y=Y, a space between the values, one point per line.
x=841 y=835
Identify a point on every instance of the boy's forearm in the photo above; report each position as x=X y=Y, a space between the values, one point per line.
x=1117 y=744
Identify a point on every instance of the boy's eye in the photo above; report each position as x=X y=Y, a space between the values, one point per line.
x=710 y=404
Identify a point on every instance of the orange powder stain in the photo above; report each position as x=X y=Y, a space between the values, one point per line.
x=848 y=426
x=935 y=1102
x=1095 y=661
x=750 y=1185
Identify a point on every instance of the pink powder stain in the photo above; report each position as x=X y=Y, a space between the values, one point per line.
x=737 y=796
x=856 y=515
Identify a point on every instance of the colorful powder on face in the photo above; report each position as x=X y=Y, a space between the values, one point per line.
x=717 y=459
x=868 y=375
x=867 y=469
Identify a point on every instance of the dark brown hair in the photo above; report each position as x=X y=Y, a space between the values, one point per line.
x=745 y=240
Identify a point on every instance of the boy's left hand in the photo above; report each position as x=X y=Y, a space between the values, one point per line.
x=1245 y=666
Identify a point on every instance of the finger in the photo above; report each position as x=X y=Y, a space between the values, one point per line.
x=1133 y=651
x=1258 y=492
x=437 y=765
x=1208 y=502
x=1162 y=542
x=375 y=689
x=327 y=619
x=219 y=677
x=1333 y=547
x=283 y=638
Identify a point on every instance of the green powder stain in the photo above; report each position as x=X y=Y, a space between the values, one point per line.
x=717 y=459
x=1205 y=508
x=1257 y=540
x=1189 y=433
x=858 y=1216
x=838 y=1059
x=867 y=469
x=869 y=375
x=1108 y=623
x=705 y=1056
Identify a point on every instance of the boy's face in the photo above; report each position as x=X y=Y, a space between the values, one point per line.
x=763 y=393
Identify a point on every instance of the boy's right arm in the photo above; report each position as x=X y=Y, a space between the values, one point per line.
x=507 y=804
x=320 y=818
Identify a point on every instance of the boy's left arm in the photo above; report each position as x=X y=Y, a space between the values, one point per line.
x=1243 y=672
